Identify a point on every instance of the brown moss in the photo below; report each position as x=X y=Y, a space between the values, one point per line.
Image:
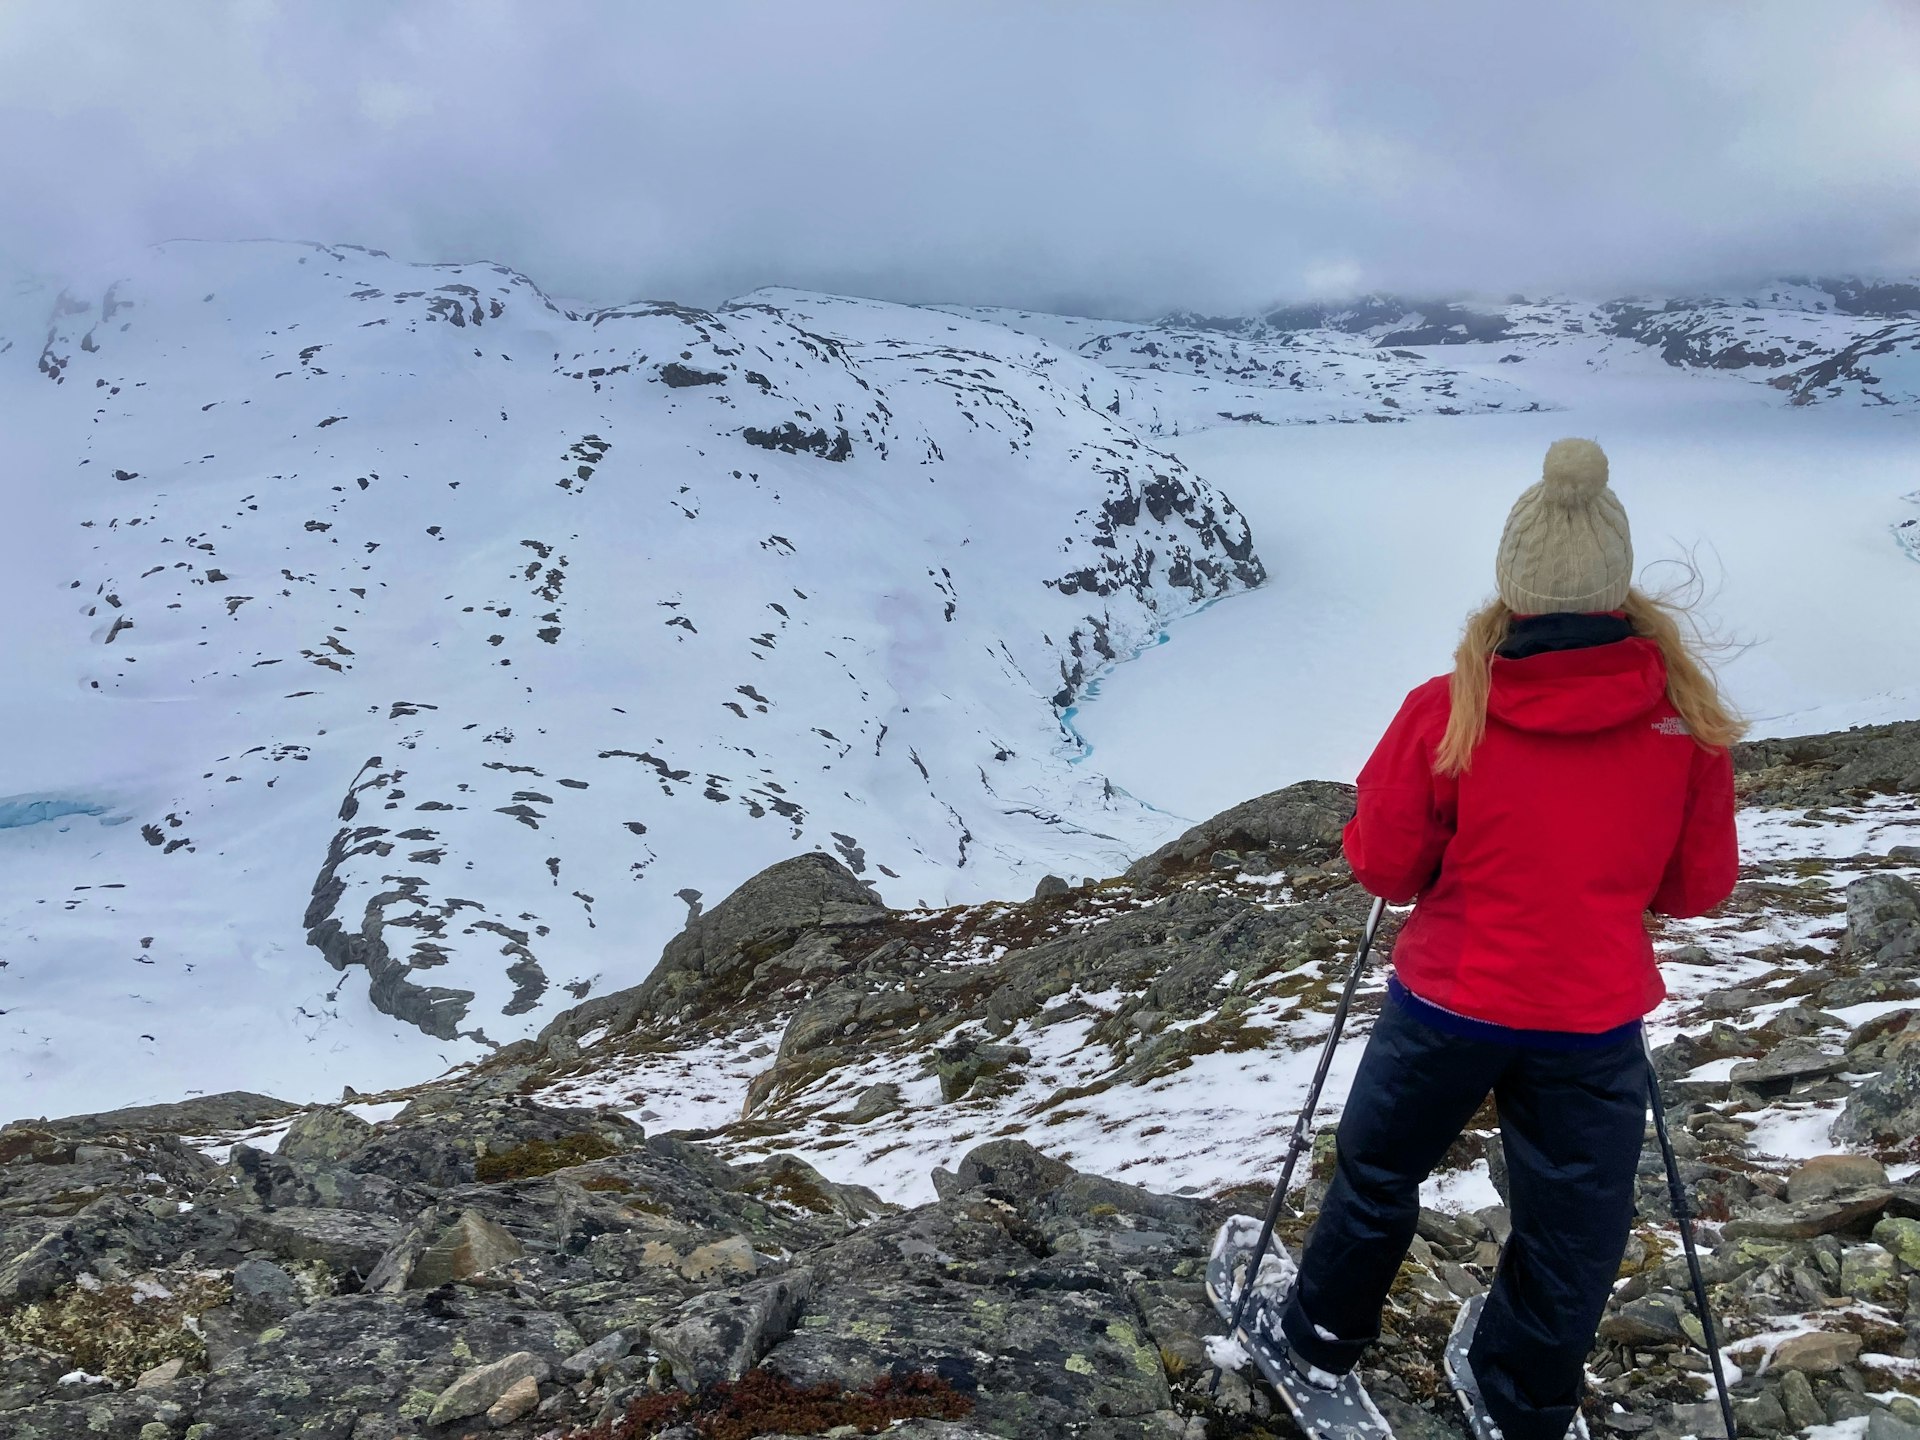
x=607 y=1182
x=763 y=1403
x=119 y=1329
x=542 y=1157
x=37 y=1144
x=794 y=1189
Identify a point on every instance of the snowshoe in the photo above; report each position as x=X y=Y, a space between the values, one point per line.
x=1460 y=1376
x=1327 y=1407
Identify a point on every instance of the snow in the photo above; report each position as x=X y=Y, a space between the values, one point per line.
x=1871 y=828
x=403 y=600
x=398 y=601
x=1793 y=1132
x=1851 y=1429
x=1380 y=540
x=1460 y=1191
x=1225 y=1118
x=1226 y=1353
x=1713 y=1070
x=375 y=1111
x=219 y=1148
x=1852 y=1015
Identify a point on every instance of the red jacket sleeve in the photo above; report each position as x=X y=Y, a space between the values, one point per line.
x=1706 y=861
x=1405 y=813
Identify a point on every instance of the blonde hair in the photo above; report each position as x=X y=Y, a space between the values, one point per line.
x=1690 y=684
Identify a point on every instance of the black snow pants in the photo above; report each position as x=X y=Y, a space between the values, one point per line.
x=1571 y=1124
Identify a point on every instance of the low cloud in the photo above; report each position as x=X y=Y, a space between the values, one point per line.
x=1116 y=157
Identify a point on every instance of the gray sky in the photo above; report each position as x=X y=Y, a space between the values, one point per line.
x=1105 y=155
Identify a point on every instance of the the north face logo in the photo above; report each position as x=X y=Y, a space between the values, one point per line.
x=1672 y=725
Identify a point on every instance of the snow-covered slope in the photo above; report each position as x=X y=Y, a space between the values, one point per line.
x=1384 y=357
x=396 y=650
x=403 y=618
x=1200 y=376
x=1836 y=338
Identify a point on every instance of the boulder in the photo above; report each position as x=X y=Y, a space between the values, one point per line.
x=1303 y=819
x=1886 y=1107
x=1797 y=1401
x=29 y=1374
x=347 y=1242
x=475 y=1392
x=594 y=1361
x=819 y=1020
x=1883 y=920
x=731 y=1257
x=1051 y=886
x=709 y=961
x=161 y=1375
x=1870 y=1272
x=1847 y=990
x=1012 y=1167
x=449 y=1138
x=263 y=1293
x=721 y=1336
x=1901 y=1238
x=1818 y=1352
x=325 y=1133
x=1827 y=1175
x=470 y=1246
x=1885 y=1425
x=1762 y=1415
x=363 y=1364
x=1789 y=1062
x=1650 y=1320
x=1868 y=1042
x=873 y=1102
x=966 y=1062
x=273 y=1181
x=520 y=1398
x=1699 y=1418
x=1810 y=1218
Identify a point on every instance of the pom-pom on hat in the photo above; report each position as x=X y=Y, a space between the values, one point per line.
x=1566 y=545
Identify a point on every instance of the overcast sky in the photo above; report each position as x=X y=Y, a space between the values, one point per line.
x=1120 y=157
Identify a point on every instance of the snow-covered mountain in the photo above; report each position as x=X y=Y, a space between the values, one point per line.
x=456 y=635
x=1200 y=375
x=399 y=650
x=1815 y=338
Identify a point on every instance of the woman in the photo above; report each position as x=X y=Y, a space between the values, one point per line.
x=1569 y=776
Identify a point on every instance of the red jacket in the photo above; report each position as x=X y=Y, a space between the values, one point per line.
x=1587 y=805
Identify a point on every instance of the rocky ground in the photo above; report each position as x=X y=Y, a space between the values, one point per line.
x=834 y=1165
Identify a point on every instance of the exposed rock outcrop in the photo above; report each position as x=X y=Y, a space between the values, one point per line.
x=1303 y=820
x=511 y=1250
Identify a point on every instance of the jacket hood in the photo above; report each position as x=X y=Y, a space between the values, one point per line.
x=1576 y=692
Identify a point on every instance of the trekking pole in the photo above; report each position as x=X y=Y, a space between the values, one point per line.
x=1301 y=1127
x=1683 y=1217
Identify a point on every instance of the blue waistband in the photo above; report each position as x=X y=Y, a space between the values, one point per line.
x=1468 y=1028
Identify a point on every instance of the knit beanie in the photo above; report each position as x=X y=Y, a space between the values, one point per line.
x=1566 y=546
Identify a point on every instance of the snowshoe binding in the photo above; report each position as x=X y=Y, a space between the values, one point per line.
x=1327 y=1407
